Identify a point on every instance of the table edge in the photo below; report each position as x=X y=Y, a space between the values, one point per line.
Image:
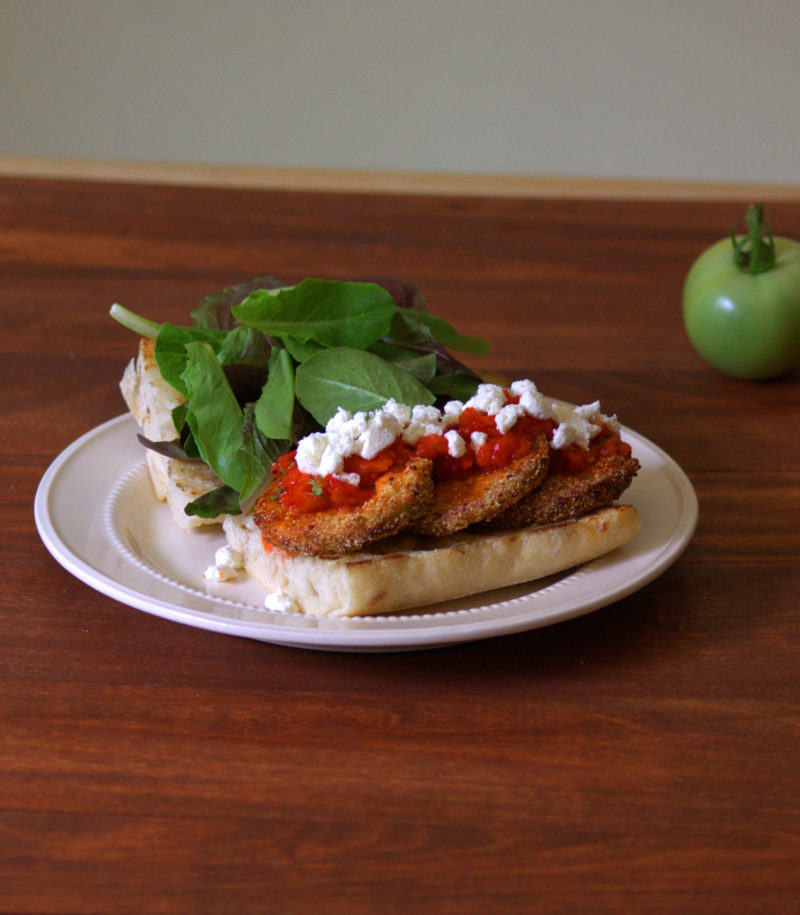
x=341 y=180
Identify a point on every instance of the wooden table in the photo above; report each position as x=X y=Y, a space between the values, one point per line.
x=642 y=758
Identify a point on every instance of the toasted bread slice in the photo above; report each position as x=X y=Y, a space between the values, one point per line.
x=407 y=571
x=149 y=398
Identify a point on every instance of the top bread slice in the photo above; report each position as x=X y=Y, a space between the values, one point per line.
x=151 y=402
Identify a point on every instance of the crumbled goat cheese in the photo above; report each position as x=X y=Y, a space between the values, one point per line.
x=456 y=446
x=317 y=456
x=531 y=401
x=217 y=573
x=367 y=434
x=281 y=602
x=507 y=418
x=424 y=421
x=227 y=562
x=323 y=453
x=489 y=399
x=574 y=427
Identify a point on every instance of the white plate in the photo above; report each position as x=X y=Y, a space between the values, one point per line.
x=96 y=514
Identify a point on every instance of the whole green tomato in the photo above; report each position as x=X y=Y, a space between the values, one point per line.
x=741 y=305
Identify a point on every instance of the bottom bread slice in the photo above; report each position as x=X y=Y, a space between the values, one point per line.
x=405 y=571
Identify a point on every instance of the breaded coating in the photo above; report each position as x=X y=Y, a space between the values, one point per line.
x=459 y=503
x=400 y=496
x=563 y=497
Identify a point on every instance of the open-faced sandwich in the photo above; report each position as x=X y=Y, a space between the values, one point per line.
x=355 y=465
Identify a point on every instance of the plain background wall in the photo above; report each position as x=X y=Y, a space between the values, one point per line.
x=677 y=89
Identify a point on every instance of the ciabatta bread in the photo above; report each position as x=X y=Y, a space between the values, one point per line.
x=407 y=571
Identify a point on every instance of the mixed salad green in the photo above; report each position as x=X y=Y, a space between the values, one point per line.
x=264 y=364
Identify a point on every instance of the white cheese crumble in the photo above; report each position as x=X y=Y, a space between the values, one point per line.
x=456 y=446
x=227 y=562
x=424 y=421
x=506 y=418
x=281 y=602
x=367 y=434
x=531 y=401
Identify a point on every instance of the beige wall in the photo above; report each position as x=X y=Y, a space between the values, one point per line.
x=655 y=88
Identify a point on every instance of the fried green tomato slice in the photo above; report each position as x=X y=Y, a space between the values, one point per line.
x=562 y=497
x=459 y=503
x=400 y=496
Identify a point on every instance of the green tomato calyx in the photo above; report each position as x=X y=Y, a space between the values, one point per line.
x=755 y=252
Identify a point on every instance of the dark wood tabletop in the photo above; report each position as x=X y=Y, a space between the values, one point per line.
x=641 y=758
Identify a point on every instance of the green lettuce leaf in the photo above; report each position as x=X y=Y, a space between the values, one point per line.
x=274 y=409
x=171 y=350
x=411 y=326
x=213 y=414
x=354 y=380
x=328 y=312
x=214 y=311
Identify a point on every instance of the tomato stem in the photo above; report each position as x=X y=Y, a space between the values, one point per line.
x=754 y=252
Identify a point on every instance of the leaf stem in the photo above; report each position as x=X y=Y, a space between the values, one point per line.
x=139 y=325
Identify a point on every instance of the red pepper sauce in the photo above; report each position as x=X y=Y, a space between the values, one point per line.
x=306 y=493
x=498 y=450
x=575 y=459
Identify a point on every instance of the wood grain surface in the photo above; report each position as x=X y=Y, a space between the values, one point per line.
x=643 y=758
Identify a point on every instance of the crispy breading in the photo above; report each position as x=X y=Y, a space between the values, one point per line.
x=563 y=497
x=400 y=496
x=460 y=503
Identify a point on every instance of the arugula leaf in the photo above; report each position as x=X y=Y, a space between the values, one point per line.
x=458 y=385
x=214 y=311
x=168 y=449
x=245 y=345
x=329 y=312
x=213 y=414
x=274 y=409
x=186 y=441
x=354 y=380
x=227 y=436
x=404 y=292
x=422 y=367
x=301 y=350
x=414 y=326
x=225 y=500
x=258 y=453
x=220 y=501
x=171 y=349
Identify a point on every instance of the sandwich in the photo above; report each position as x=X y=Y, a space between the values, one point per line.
x=357 y=467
